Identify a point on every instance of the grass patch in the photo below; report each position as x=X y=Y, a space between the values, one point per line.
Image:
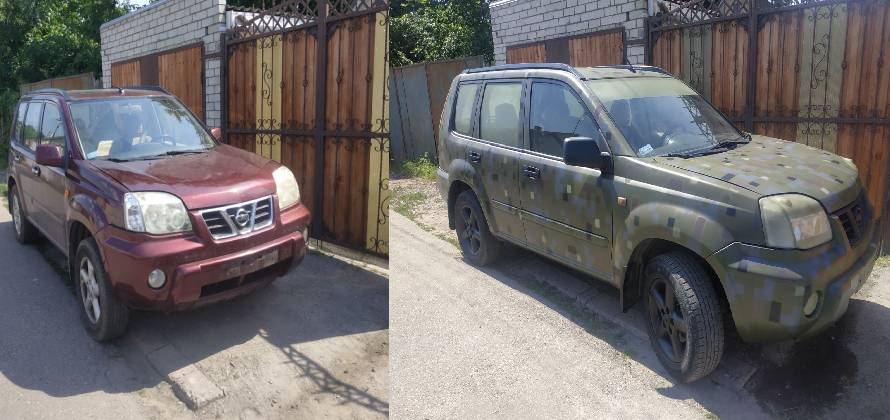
x=3 y=192
x=405 y=202
x=422 y=167
x=883 y=261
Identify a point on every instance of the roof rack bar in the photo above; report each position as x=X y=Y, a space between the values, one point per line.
x=525 y=66
x=155 y=88
x=638 y=67
x=54 y=91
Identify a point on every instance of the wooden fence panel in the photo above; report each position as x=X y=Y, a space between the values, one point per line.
x=778 y=74
x=598 y=49
x=298 y=108
x=730 y=61
x=348 y=105
x=666 y=53
x=181 y=73
x=241 y=92
x=866 y=94
x=532 y=53
x=126 y=73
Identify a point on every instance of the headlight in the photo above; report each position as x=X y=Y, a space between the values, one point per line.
x=156 y=213
x=794 y=221
x=286 y=187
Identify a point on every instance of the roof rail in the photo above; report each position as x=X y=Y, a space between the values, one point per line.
x=525 y=66
x=52 y=91
x=637 y=67
x=146 y=87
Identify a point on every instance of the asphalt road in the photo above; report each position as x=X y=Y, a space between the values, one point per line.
x=528 y=338
x=313 y=344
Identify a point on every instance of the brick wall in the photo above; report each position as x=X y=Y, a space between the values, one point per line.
x=165 y=25
x=523 y=21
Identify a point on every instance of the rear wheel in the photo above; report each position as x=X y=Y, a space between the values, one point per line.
x=478 y=245
x=25 y=232
x=104 y=316
x=684 y=316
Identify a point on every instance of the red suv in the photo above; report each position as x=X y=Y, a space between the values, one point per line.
x=151 y=210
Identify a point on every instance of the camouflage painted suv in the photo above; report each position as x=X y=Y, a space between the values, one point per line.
x=629 y=175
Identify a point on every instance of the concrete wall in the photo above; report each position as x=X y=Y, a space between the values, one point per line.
x=165 y=25
x=523 y=21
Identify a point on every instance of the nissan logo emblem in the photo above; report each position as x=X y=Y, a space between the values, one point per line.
x=242 y=217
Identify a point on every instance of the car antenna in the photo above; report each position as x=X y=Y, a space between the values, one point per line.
x=629 y=66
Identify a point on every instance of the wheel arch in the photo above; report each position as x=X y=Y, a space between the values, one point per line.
x=631 y=290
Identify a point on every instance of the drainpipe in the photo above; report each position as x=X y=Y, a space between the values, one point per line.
x=652 y=7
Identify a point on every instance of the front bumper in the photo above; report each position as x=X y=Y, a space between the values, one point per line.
x=200 y=270
x=767 y=288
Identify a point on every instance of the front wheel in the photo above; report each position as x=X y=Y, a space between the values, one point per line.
x=104 y=316
x=684 y=316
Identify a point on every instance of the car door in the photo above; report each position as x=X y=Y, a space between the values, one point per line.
x=497 y=152
x=50 y=181
x=23 y=149
x=565 y=209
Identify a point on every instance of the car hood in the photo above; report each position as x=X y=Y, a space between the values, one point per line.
x=770 y=166
x=223 y=175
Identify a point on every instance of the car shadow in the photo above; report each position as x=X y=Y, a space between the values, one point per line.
x=43 y=346
x=840 y=372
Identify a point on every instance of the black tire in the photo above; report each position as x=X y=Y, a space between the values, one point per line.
x=25 y=232
x=679 y=292
x=477 y=244
x=113 y=316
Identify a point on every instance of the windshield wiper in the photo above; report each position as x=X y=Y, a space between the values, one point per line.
x=184 y=152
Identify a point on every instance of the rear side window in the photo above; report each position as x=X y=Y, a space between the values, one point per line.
x=31 y=130
x=555 y=115
x=463 y=108
x=499 y=116
x=51 y=130
x=19 y=122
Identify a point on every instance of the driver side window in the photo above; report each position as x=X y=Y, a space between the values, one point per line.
x=557 y=114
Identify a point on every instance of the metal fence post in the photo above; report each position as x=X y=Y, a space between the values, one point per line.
x=321 y=59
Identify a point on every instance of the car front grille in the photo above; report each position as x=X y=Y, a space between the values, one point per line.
x=854 y=218
x=238 y=219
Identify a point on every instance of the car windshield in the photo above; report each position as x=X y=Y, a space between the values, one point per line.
x=660 y=116
x=124 y=129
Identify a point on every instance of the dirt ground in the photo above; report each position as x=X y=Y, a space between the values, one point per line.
x=419 y=200
x=840 y=373
x=313 y=344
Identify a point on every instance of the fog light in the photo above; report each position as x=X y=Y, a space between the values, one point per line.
x=156 y=279
x=809 y=308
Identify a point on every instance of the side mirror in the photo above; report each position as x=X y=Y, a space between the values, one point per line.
x=584 y=152
x=49 y=155
x=216 y=132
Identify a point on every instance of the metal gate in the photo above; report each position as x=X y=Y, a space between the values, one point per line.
x=811 y=71
x=305 y=85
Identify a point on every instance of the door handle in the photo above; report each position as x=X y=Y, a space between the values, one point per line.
x=475 y=157
x=35 y=170
x=531 y=172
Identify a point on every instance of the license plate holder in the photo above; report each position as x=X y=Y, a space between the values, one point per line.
x=250 y=264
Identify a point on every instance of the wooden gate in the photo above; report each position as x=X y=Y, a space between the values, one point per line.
x=305 y=84
x=180 y=71
x=586 y=50
x=810 y=71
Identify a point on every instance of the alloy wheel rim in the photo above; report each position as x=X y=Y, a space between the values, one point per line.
x=16 y=217
x=470 y=234
x=89 y=290
x=667 y=321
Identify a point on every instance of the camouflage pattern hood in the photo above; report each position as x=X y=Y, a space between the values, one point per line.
x=770 y=166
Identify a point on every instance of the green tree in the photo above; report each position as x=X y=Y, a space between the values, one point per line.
x=40 y=39
x=427 y=30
